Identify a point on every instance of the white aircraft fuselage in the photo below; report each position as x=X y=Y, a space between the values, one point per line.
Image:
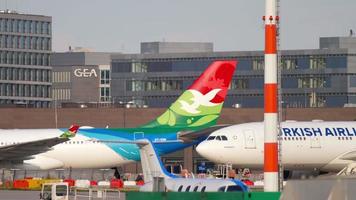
x=78 y=152
x=315 y=145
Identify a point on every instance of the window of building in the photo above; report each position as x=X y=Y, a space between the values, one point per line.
x=2 y=41
x=138 y=67
x=352 y=80
x=304 y=82
x=2 y=25
x=258 y=64
x=105 y=94
x=316 y=62
x=38 y=27
x=32 y=27
x=14 y=25
x=19 y=26
x=288 y=64
x=49 y=31
x=61 y=77
x=239 y=83
x=105 y=76
x=9 y=25
x=61 y=94
x=44 y=28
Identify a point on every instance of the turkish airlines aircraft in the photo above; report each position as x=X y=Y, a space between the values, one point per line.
x=190 y=119
x=315 y=145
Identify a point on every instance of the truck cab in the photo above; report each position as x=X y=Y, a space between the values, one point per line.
x=55 y=191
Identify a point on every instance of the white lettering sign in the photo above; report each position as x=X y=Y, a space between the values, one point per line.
x=86 y=73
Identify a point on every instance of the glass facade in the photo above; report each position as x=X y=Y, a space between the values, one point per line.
x=105 y=85
x=25 y=48
x=314 y=80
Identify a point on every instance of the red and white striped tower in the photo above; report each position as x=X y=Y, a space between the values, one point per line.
x=270 y=95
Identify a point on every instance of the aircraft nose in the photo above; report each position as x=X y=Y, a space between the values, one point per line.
x=203 y=149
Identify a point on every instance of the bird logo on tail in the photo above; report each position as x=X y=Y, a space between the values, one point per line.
x=71 y=132
x=198 y=100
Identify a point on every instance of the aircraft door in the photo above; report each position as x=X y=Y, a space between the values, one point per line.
x=315 y=142
x=250 y=140
x=139 y=135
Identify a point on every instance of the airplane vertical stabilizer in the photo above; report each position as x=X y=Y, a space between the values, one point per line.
x=152 y=165
x=201 y=104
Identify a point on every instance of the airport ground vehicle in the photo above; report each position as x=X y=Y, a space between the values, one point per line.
x=55 y=191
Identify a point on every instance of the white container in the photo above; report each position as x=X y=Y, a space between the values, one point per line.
x=129 y=183
x=104 y=183
x=82 y=183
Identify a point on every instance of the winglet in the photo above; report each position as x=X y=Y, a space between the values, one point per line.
x=72 y=131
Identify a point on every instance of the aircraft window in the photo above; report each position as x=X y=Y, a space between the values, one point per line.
x=222 y=189
x=218 y=138
x=296 y=138
x=196 y=188
x=211 y=138
x=234 y=188
x=203 y=189
x=180 y=188
x=187 y=189
x=350 y=138
x=223 y=137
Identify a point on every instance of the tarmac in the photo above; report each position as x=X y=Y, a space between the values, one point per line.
x=19 y=195
x=35 y=195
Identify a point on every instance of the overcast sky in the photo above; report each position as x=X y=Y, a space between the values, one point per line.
x=120 y=25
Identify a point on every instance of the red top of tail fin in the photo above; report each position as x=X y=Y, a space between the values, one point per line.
x=217 y=76
x=74 y=128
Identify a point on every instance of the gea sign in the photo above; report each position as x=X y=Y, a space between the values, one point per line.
x=86 y=73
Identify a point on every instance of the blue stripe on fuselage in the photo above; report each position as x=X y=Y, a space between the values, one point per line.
x=131 y=151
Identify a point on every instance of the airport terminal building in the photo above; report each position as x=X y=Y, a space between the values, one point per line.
x=324 y=77
x=25 y=48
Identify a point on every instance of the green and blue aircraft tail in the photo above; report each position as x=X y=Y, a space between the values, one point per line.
x=200 y=105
